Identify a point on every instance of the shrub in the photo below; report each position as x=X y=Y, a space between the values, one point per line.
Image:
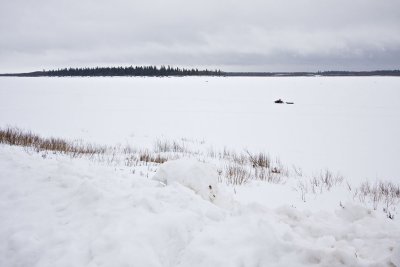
x=236 y=174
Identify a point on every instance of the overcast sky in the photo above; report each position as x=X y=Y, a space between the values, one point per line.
x=253 y=35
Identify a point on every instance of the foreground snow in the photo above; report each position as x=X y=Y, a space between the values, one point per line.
x=62 y=211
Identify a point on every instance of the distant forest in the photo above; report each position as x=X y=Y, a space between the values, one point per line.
x=164 y=71
x=123 y=71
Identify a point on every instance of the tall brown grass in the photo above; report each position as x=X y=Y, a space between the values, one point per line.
x=18 y=137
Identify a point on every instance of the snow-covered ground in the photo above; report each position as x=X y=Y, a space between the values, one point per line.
x=61 y=211
x=346 y=124
x=114 y=209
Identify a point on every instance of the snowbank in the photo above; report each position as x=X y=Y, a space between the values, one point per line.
x=201 y=177
x=57 y=211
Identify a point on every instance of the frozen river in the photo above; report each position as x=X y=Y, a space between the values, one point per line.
x=346 y=124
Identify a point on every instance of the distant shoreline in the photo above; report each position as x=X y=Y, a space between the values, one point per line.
x=315 y=74
x=176 y=72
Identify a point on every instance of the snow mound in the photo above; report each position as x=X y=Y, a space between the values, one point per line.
x=61 y=212
x=201 y=177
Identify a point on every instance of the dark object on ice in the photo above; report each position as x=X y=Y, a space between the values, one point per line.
x=290 y=103
x=275 y=170
x=279 y=101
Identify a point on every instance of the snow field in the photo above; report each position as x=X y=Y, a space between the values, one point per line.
x=348 y=124
x=63 y=211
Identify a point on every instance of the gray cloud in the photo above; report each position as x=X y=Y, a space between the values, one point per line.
x=233 y=35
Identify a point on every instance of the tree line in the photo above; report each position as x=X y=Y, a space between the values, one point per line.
x=127 y=71
x=162 y=71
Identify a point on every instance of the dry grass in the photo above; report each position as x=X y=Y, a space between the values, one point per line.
x=385 y=192
x=302 y=187
x=243 y=167
x=236 y=174
x=18 y=137
x=268 y=175
x=146 y=156
x=169 y=146
x=259 y=160
x=325 y=179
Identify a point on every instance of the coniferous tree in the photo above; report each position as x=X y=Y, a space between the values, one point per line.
x=128 y=71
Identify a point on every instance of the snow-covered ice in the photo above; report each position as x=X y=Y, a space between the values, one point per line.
x=346 y=124
x=61 y=211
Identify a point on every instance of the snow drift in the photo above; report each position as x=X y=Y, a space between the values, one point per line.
x=201 y=177
x=62 y=211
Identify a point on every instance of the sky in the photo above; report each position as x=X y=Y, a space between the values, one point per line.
x=253 y=35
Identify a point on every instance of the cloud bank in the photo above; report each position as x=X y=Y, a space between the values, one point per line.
x=286 y=35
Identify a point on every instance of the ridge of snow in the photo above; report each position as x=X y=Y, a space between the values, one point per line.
x=62 y=211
